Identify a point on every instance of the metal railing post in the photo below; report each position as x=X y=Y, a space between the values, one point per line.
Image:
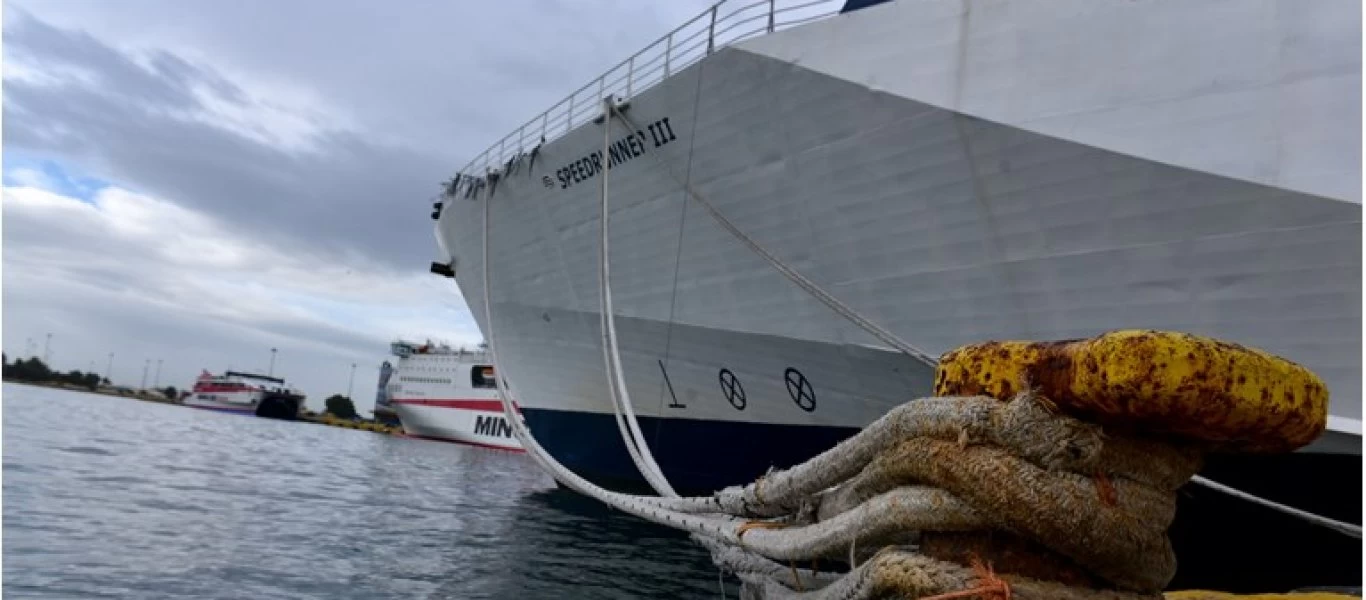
x=488 y=157
x=668 y=50
x=711 y=30
x=630 y=74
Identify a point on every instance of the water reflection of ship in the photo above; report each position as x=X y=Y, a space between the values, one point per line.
x=562 y=540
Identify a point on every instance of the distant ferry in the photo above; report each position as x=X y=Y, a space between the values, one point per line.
x=446 y=394
x=245 y=393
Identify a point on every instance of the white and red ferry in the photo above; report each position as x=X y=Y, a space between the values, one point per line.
x=450 y=395
x=244 y=393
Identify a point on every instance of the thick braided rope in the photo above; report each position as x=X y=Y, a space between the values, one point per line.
x=1105 y=506
x=1120 y=537
x=1112 y=524
x=1109 y=513
x=900 y=574
x=1021 y=425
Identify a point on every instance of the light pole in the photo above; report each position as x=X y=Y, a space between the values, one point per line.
x=271 y=372
x=350 y=382
x=144 y=374
x=28 y=348
x=47 y=351
x=109 y=369
x=156 y=381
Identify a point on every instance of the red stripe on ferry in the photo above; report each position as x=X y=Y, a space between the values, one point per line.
x=223 y=388
x=481 y=405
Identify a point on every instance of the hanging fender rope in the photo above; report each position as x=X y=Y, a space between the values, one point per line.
x=636 y=444
x=792 y=274
x=711 y=532
x=1334 y=524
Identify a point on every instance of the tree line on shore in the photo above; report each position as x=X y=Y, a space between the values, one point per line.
x=34 y=370
x=340 y=406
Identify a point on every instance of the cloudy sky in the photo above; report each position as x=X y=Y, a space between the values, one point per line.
x=201 y=181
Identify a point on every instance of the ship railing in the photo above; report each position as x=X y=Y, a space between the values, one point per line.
x=725 y=23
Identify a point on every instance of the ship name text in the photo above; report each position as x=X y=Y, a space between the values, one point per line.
x=494 y=426
x=619 y=151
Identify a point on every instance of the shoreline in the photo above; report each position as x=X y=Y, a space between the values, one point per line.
x=146 y=397
x=314 y=418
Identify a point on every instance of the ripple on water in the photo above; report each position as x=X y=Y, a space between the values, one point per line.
x=115 y=479
x=86 y=450
x=183 y=469
x=224 y=506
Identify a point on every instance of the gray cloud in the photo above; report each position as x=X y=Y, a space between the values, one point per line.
x=448 y=77
x=350 y=196
x=315 y=130
x=429 y=89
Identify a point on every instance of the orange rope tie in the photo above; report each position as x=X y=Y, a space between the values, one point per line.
x=1105 y=489
x=748 y=525
x=990 y=587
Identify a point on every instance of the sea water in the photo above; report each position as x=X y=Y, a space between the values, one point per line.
x=109 y=497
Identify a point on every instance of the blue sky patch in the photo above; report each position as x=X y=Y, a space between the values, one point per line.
x=55 y=176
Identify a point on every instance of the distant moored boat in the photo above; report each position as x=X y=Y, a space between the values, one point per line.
x=245 y=393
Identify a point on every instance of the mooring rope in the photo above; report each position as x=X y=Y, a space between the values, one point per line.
x=644 y=461
x=790 y=272
x=710 y=531
x=635 y=441
x=1334 y=524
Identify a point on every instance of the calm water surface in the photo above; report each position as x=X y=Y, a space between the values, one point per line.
x=111 y=497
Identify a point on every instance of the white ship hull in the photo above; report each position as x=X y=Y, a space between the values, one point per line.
x=443 y=394
x=953 y=171
x=473 y=422
x=245 y=393
x=241 y=403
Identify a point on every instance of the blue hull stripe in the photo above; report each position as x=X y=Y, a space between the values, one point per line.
x=696 y=455
x=1214 y=534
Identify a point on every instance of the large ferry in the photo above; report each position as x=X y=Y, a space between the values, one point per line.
x=245 y=393
x=808 y=199
x=448 y=394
